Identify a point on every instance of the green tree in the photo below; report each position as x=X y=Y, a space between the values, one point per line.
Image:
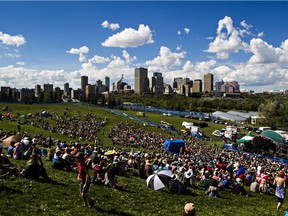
x=269 y=110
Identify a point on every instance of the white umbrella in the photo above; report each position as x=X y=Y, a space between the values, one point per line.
x=159 y=179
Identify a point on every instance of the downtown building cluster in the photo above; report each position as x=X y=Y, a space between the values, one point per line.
x=142 y=85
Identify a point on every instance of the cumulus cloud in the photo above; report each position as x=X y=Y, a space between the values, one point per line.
x=16 y=40
x=90 y=64
x=188 y=67
x=129 y=59
x=130 y=38
x=112 y=26
x=265 y=53
x=20 y=63
x=82 y=51
x=10 y=76
x=166 y=59
x=179 y=47
x=260 y=34
x=187 y=30
x=227 y=41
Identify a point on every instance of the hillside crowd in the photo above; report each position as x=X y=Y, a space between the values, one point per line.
x=211 y=168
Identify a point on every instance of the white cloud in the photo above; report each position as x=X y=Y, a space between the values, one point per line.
x=90 y=64
x=263 y=52
x=112 y=26
x=76 y=51
x=166 y=59
x=100 y=59
x=12 y=55
x=20 y=63
x=187 y=30
x=16 y=40
x=260 y=34
x=226 y=42
x=82 y=51
x=130 y=38
x=179 y=47
x=188 y=67
x=245 y=25
x=179 y=33
x=129 y=59
x=210 y=38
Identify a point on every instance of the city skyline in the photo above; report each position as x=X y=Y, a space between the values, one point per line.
x=57 y=42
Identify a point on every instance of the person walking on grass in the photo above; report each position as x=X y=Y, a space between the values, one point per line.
x=280 y=192
x=84 y=179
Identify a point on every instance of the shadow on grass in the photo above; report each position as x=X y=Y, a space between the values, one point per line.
x=50 y=181
x=7 y=190
x=113 y=212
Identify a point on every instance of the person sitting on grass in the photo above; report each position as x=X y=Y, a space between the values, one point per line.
x=110 y=178
x=213 y=190
x=35 y=168
x=57 y=160
x=6 y=166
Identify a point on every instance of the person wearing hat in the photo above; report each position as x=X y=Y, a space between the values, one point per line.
x=189 y=209
x=85 y=180
x=280 y=190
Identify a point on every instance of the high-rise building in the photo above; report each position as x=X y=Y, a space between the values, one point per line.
x=37 y=90
x=197 y=86
x=90 y=91
x=47 y=87
x=218 y=85
x=230 y=87
x=66 y=89
x=157 y=85
x=77 y=94
x=98 y=87
x=84 y=83
x=141 y=81
x=208 y=82
x=175 y=82
x=183 y=86
x=107 y=83
x=26 y=94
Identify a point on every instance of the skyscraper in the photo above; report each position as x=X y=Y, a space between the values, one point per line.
x=141 y=81
x=47 y=87
x=84 y=83
x=37 y=90
x=66 y=89
x=197 y=86
x=157 y=86
x=208 y=82
x=107 y=83
x=98 y=87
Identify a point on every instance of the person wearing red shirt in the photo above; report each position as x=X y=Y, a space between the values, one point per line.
x=84 y=179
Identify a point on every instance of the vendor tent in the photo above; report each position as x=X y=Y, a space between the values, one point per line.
x=174 y=146
x=270 y=143
x=247 y=138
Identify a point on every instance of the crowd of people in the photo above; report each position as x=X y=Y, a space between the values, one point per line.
x=211 y=168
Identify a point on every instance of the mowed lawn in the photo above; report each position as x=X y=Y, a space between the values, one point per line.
x=19 y=196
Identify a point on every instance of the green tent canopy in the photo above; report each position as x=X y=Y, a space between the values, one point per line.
x=247 y=138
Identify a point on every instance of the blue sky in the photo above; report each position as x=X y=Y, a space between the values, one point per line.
x=57 y=42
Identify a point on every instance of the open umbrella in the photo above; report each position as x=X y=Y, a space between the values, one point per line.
x=159 y=179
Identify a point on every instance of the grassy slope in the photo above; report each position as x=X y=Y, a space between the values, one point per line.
x=22 y=197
